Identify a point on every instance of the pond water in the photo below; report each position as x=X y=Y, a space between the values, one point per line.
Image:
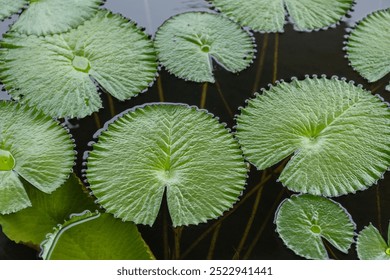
x=279 y=56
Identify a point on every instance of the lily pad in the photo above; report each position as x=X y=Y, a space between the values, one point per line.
x=368 y=46
x=57 y=73
x=169 y=148
x=95 y=236
x=187 y=45
x=303 y=221
x=34 y=147
x=44 y=17
x=370 y=244
x=337 y=134
x=10 y=7
x=269 y=15
x=31 y=225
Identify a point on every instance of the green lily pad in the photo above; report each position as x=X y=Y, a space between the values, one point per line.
x=10 y=7
x=269 y=15
x=370 y=244
x=95 y=236
x=31 y=225
x=187 y=45
x=44 y=17
x=337 y=134
x=368 y=46
x=34 y=147
x=303 y=221
x=56 y=73
x=169 y=148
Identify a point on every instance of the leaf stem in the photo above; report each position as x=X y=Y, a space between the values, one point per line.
x=111 y=105
x=225 y=103
x=177 y=234
x=260 y=65
x=165 y=234
x=160 y=89
x=97 y=120
x=213 y=242
x=329 y=249
x=204 y=95
x=276 y=58
x=378 y=209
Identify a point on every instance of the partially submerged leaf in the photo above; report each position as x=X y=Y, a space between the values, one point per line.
x=166 y=148
x=9 y=7
x=34 y=147
x=303 y=221
x=368 y=46
x=44 y=17
x=337 y=134
x=95 y=236
x=31 y=225
x=269 y=15
x=188 y=43
x=53 y=73
x=370 y=244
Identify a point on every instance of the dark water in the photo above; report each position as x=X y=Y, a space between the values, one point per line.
x=285 y=55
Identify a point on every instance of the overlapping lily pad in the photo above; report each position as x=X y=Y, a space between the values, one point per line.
x=169 y=148
x=269 y=15
x=57 y=74
x=34 y=147
x=336 y=133
x=95 y=236
x=303 y=221
x=31 y=225
x=188 y=44
x=370 y=244
x=368 y=46
x=9 y=7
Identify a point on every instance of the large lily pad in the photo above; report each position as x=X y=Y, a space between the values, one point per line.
x=337 y=134
x=187 y=45
x=34 y=147
x=95 y=236
x=166 y=148
x=370 y=244
x=269 y=15
x=303 y=221
x=9 y=7
x=53 y=73
x=368 y=46
x=31 y=225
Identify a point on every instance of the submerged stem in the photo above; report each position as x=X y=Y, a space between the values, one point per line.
x=378 y=209
x=260 y=65
x=111 y=105
x=177 y=234
x=213 y=242
x=204 y=95
x=165 y=234
x=160 y=89
x=225 y=103
x=276 y=58
x=97 y=120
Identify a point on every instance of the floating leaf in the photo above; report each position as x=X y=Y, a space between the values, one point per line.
x=188 y=43
x=337 y=134
x=172 y=148
x=9 y=7
x=302 y=221
x=34 y=147
x=53 y=73
x=269 y=15
x=31 y=225
x=368 y=46
x=370 y=244
x=53 y=16
x=95 y=236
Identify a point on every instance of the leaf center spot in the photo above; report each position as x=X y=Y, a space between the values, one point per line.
x=205 y=48
x=7 y=161
x=315 y=229
x=81 y=64
x=388 y=251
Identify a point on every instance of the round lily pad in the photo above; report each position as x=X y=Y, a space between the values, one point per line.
x=303 y=221
x=368 y=46
x=370 y=244
x=34 y=147
x=95 y=236
x=172 y=149
x=269 y=15
x=336 y=133
x=188 y=44
x=44 y=17
x=10 y=7
x=57 y=74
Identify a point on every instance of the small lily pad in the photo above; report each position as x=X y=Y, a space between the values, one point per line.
x=34 y=147
x=188 y=43
x=169 y=148
x=269 y=15
x=368 y=46
x=337 y=134
x=95 y=236
x=303 y=221
x=10 y=7
x=57 y=73
x=44 y=17
x=31 y=225
x=370 y=244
